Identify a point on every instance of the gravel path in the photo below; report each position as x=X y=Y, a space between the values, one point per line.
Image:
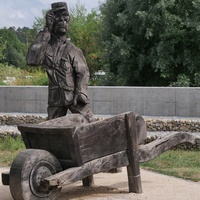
x=115 y=187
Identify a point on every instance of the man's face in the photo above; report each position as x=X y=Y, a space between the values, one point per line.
x=61 y=21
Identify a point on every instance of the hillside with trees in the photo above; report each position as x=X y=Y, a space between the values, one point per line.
x=136 y=43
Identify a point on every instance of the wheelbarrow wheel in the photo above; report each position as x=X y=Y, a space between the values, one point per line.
x=27 y=173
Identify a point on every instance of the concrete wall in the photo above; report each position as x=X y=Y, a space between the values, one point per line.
x=149 y=101
x=23 y=99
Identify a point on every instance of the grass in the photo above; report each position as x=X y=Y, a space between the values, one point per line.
x=9 y=148
x=178 y=163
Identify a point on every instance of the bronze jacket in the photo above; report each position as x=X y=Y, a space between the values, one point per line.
x=65 y=65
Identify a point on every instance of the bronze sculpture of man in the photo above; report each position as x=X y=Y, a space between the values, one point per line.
x=65 y=65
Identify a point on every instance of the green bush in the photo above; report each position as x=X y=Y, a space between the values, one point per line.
x=40 y=78
x=182 y=81
x=8 y=71
x=36 y=76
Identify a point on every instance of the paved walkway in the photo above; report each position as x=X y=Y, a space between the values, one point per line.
x=115 y=187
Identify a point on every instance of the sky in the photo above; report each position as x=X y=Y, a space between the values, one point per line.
x=20 y=13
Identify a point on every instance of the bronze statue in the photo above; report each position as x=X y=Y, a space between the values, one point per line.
x=65 y=65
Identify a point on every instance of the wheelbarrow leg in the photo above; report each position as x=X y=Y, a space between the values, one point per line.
x=133 y=170
x=88 y=181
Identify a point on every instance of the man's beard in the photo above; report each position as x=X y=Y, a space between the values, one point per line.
x=60 y=29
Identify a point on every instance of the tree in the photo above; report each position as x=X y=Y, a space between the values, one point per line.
x=152 y=42
x=39 y=22
x=84 y=33
x=2 y=48
x=15 y=51
x=26 y=35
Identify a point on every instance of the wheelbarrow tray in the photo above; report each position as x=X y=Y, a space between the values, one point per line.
x=75 y=142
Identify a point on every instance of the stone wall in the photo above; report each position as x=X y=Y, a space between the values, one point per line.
x=153 y=123
x=9 y=119
x=173 y=124
x=157 y=127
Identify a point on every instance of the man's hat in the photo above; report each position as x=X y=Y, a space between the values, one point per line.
x=59 y=6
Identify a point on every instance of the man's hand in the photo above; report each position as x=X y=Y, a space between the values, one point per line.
x=80 y=98
x=49 y=20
